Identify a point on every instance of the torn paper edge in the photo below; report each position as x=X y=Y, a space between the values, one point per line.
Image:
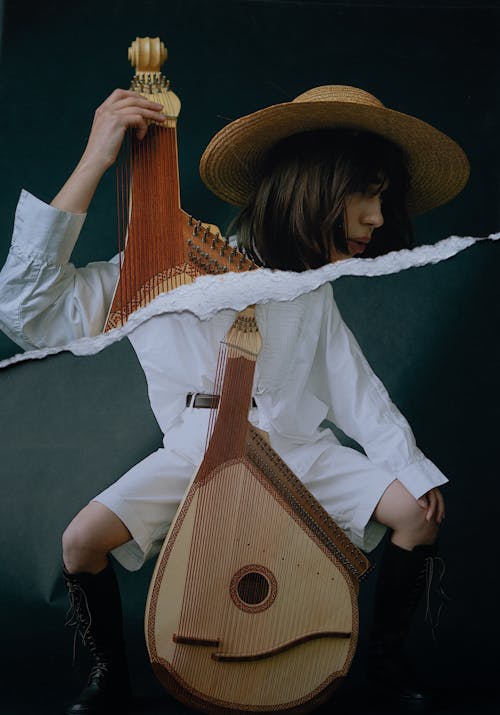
x=209 y=294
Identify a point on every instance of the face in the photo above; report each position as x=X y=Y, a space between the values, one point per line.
x=363 y=214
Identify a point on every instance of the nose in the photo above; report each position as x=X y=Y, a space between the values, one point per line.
x=372 y=213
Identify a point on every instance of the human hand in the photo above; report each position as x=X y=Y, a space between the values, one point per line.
x=433 y=503
x=122 y=110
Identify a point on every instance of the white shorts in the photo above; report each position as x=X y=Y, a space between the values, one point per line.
x=146 y=498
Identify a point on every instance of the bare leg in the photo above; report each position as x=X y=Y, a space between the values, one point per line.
x=93 y=533
x=402 y=513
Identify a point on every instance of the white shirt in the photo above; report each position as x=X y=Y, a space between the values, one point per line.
x=310 y=367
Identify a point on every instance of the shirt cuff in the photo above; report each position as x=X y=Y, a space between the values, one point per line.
x=419 y=477
x=44 y=232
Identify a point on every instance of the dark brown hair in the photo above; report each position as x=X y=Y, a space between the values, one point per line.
x=297 y=210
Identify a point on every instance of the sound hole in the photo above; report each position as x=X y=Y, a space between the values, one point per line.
x=253 y=588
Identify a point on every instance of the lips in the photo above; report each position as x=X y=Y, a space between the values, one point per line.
x=358 y=245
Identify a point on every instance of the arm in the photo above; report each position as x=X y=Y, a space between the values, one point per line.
x=121 y=110
x=44 y=300
x=362 y=408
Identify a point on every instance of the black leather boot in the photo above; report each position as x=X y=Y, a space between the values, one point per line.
x=97 y=615
x=402 y=579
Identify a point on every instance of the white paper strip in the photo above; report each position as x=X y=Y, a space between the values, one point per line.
x=209 y=294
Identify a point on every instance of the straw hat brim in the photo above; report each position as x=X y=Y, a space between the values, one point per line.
x=230 y=164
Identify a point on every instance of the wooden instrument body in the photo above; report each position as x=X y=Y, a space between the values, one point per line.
x=288 y=648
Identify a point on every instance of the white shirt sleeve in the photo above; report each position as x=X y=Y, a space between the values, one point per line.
x=44 y=300
x=360 y=405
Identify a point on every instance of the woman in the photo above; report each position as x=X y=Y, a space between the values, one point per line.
x=329 y=176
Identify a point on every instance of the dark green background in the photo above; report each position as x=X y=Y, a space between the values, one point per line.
x=69 y=425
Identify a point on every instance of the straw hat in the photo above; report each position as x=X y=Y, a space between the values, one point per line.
x=230 y=164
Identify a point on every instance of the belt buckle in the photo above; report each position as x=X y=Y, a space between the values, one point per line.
x=206 y=401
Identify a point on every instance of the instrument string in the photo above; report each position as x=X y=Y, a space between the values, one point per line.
x=251 y=513
x=219 y=375
x=150 y=246
x=217 y=517
x=146 y=238
x=155 y=216
x=193 y=602
x=170 y=237
x=245 y=503
x=179 y=243
x=158 y=245
x=120 y=226
x=136 y=197
x=233 y=543
x=216 y=549
x=127 y=187
x=162 y=238
x=152 y=243
x=140 y=223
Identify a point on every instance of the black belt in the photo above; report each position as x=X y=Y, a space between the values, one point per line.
x=198 y=399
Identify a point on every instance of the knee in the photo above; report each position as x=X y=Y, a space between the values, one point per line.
x=413 y=526
x=78 y=555
x=417 y=523
x=402 y=513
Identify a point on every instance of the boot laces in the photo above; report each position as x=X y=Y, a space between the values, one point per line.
x=435 y=568
x=99 y=671
x=78 y=615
